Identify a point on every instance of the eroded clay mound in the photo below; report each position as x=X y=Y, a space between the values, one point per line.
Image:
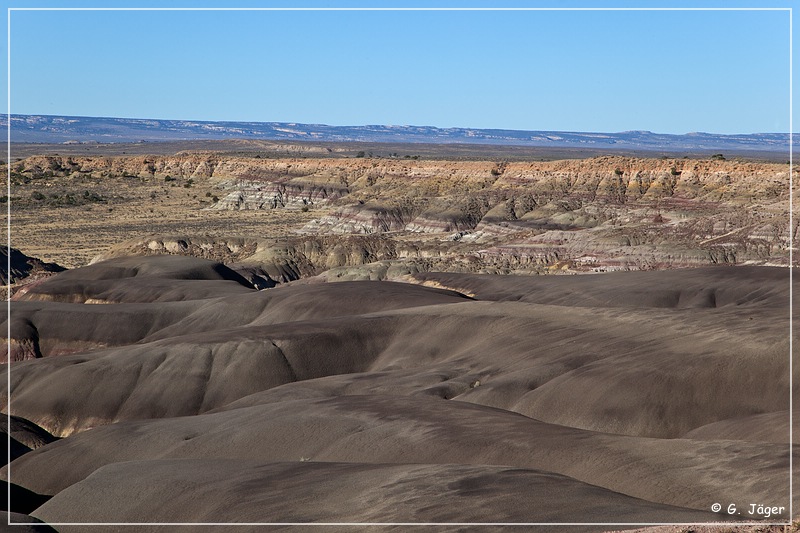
x=697 y=287
x=136 y=279
x=377 y=429
x=23 y=266
x=623 y=393
x=247 y=491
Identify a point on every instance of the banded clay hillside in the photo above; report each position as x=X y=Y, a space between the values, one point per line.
x=304 y=216
x=190 y=396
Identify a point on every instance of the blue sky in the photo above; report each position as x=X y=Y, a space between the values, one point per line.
x=664 y=71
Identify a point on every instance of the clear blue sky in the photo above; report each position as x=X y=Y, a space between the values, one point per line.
x=664 y=71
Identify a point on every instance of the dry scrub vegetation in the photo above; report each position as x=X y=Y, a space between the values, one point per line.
x=109 y=207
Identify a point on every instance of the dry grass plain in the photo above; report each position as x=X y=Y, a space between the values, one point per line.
x=132 y=208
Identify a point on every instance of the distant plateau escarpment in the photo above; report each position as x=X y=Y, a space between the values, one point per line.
x=94 y=130
x=362 y=218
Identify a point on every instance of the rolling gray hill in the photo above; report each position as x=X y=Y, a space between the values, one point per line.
x=633 y=397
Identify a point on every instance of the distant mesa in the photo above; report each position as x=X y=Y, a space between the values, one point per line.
x=59 y=129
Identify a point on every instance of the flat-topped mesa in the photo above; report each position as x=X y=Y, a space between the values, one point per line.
x=186 y=166
x=613 y=178
x=624 y=212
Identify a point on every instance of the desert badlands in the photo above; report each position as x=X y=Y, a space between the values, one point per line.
x=246 y=336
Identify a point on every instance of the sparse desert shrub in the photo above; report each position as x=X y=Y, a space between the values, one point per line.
x=718 y=157
x=168 y=178
x=91 y=196
x=18 y=178
x=67 y=199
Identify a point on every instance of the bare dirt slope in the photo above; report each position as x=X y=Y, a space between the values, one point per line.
x=626 y=397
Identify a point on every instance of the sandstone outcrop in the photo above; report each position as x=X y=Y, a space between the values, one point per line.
x=603 y=213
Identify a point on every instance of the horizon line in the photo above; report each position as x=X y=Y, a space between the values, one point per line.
x=696 y=132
